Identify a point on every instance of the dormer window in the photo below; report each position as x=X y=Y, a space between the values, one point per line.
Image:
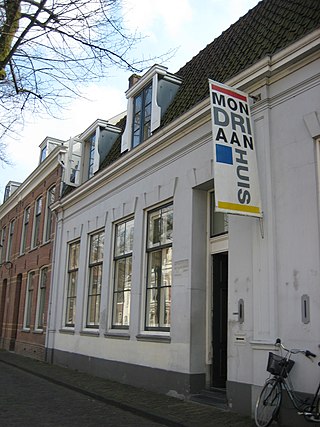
x=87 y=151
x=47 y=146
x=142 y=116
x=11 y=187
x=148 y=99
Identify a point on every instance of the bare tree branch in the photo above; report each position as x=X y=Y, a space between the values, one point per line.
x=50 y=48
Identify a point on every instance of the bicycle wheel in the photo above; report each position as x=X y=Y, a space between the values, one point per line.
x=268 y=403
x=312 y=414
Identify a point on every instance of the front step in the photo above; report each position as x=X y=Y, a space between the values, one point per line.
x=213 y=396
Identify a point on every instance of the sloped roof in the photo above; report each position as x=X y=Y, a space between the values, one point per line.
x=266 y=29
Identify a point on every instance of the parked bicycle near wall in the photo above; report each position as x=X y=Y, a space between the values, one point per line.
x=269 y=402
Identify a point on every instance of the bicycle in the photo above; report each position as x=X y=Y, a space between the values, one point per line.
x=269 y=401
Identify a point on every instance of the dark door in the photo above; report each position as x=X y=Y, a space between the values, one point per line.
x=219 y=319
x=15 y=318
x=3 y=305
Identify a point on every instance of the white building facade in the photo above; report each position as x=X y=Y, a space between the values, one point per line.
x=150 y=287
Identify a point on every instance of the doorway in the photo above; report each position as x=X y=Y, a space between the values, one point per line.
x=15 y=318
x=219 y=319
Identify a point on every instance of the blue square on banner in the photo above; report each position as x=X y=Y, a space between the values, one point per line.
x=224 y=154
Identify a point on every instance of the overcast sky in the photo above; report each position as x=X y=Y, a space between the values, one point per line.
x=187 y=25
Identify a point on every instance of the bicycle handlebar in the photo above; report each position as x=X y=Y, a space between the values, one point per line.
x=307 y=353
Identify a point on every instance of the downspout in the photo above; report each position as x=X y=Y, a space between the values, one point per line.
x=317 y=141
x=52 y=317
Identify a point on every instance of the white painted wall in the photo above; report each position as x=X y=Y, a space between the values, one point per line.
x=168 y=174
x=271 y=264
x=272 y=273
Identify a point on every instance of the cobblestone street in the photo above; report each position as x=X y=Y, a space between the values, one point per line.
x=27 y=400
x=34 y=393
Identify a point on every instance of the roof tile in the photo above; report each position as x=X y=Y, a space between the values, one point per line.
x=267 y=28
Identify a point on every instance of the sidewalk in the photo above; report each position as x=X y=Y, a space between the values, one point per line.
x=157 y=407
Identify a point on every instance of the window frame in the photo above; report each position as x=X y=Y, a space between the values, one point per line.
x=3 y=251
x=90 y=154
x=220 y=216
x=94 y=298
x=119 y=256
x=48 y=222
x=41 y=298
x=10 y=240
x=36 y=239
x=43 y=153
x=29 y=300
x=72 y=272
x=25 y=227
x=145 y=105
x=161 y=288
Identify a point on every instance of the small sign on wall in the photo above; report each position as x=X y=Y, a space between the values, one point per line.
x=236 y=179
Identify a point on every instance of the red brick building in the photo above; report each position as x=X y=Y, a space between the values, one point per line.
x=27 y=228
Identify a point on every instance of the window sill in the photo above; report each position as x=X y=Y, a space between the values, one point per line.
x=38 y=331
x=116 y=334
x=66 y=331
x=154 y=338
x=27 y=330
x=93 y=333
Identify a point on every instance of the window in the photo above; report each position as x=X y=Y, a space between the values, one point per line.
x=218 y=220
x=36 y=224
x=2 y=245
x=159 y=268
x=142 y=116
x=28 y=303
x=91 y=150
x=40 y=320
x=10 y=240
x=43 y=153
x=10 y=188
x=149 y=97
x=75 y=153
x=88 y=150
x=73 y=266
x=95 y=279
x=122 y=274
x=49 y=216
x=26 y=219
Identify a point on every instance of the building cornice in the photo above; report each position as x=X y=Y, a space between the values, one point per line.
x=33 y=180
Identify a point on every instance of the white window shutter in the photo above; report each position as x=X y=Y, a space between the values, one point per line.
x=155 y=109
x=74 y=163
x=96 y=161
x=126 y=136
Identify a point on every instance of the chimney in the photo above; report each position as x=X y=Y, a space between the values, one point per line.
x=133 y=79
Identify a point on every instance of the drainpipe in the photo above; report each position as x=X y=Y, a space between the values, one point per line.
x=317 y=141
x=52 y=317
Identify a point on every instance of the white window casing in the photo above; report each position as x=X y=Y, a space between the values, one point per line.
x=127 y=134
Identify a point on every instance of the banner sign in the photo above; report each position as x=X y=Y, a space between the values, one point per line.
x=236 y=181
